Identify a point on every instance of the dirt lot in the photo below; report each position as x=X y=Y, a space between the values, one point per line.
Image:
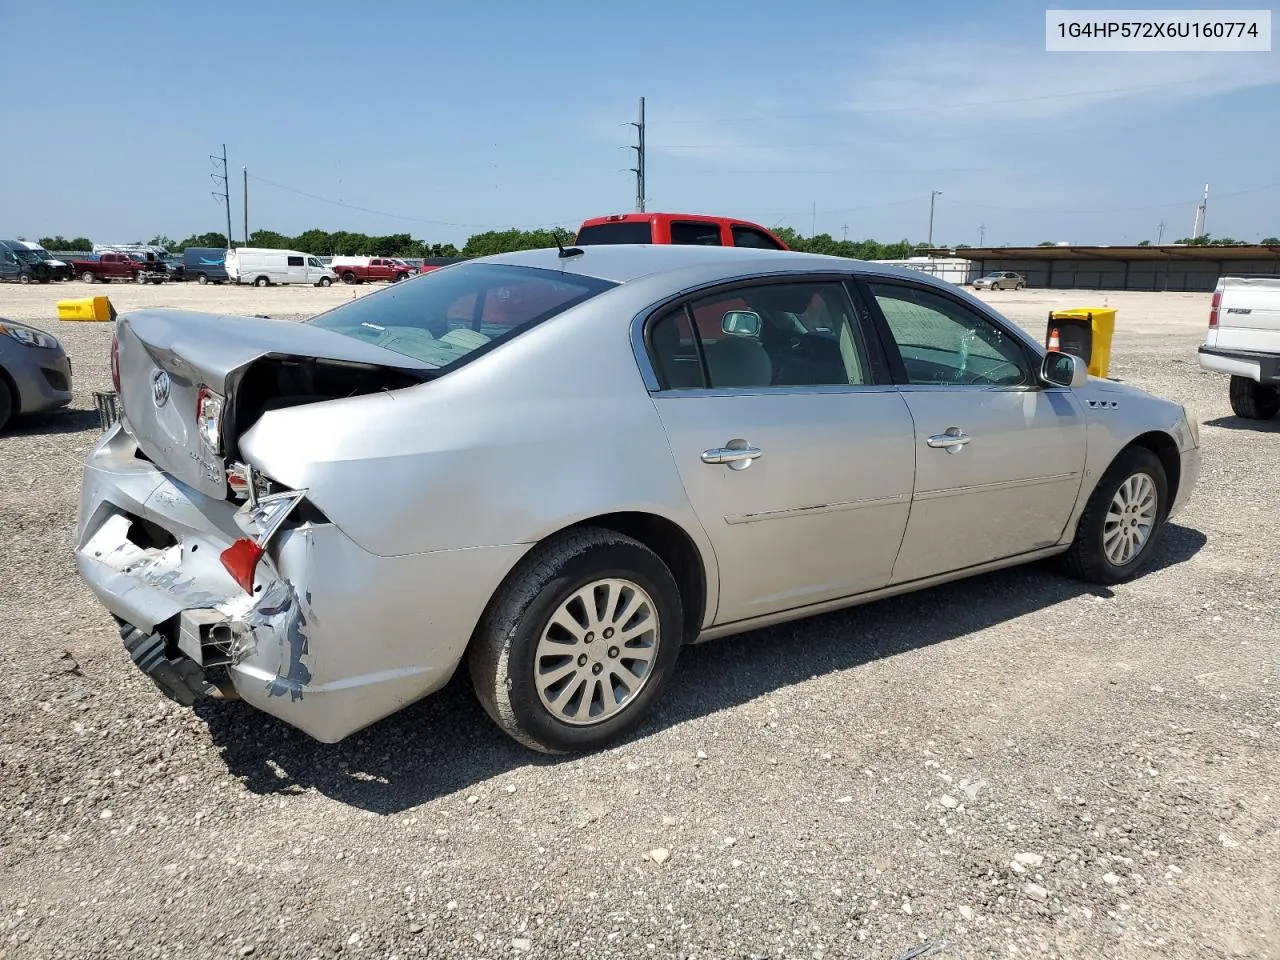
x=1013 y=766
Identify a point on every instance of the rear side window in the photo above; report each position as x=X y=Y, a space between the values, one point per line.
x=624 y=231
x=751 y=237
x=692 y=233
x=295 y=261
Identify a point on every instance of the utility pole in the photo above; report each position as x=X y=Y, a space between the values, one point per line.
x=845 y=228
x=982 y=233
x=225 y=194
x=246 y=206
x=813 y=221
x=1160 y=233
x=638 y=169
x=932 y=197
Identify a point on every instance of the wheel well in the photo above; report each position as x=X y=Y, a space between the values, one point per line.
x=1162 y=445
x=676 y=550
x=15 y=399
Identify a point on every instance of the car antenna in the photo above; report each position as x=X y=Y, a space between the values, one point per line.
x=565 y=252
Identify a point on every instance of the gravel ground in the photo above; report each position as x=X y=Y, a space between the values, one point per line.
x=1016 y=765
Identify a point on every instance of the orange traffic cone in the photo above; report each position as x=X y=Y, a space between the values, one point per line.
x=1054 y=343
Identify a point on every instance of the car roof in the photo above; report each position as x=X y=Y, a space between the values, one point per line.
x=696 y=264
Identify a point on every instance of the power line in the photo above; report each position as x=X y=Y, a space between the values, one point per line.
x=398 y=216
x=1145 y=206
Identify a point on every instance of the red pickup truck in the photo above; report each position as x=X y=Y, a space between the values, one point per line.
x=114 y=266
x=360 y=269
x=680 y=228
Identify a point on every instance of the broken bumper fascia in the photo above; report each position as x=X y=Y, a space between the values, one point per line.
x=333 y=638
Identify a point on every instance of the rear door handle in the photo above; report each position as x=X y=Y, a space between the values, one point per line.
x=737 y=457
x=952 y=441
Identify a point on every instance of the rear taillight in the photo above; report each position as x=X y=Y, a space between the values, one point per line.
x=1213 y=308
x=115 y=363
x=209 y=419
x=241 y=561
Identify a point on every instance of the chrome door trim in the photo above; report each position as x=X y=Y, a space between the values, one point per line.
x=815 y=389
x=998 y=485
x=815 y=510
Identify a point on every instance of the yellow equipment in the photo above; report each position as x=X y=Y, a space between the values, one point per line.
x=87 y=308
x=1086 y=333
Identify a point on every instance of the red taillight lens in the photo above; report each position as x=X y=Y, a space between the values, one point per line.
x=1213 y=309
x=115 y=363
x=241 y=561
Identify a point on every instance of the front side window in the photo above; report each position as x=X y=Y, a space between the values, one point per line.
x=313 y=262
x=943 y=342
x=694 y=233
x=769 y=335
x=451 y=313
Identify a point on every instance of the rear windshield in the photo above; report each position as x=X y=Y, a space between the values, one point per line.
x=445 y=316
x=624 y=231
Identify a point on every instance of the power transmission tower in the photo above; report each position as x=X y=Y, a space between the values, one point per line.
x=638 y=169
x=246 y=206
x=1160 y=233
x=932 y=197
x=845 y=228
x=1201 y=209
x=982 y=233
x=225 y=194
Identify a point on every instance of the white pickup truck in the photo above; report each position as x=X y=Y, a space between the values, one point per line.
x=1244 y=341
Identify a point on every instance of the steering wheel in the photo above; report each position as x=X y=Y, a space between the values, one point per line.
x=989 y=376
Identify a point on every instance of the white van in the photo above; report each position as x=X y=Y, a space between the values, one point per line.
x=263 y=267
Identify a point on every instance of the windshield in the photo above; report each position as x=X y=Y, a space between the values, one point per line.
x=443 y=316
x=623 y=231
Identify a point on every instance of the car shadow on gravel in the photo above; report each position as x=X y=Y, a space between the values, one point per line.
x=1240 y=423
x=53 y=422
x=445 y=743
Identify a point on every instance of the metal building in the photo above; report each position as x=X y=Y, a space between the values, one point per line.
x=1167 y=267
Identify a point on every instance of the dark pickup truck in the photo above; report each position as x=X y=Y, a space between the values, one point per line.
x=116 y=266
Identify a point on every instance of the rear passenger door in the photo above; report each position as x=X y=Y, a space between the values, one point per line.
x=794 y=449
x=999 y=456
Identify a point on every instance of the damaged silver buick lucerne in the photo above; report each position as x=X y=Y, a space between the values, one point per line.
x=560 y=466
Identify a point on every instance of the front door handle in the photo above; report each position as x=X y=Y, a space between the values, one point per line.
x=737 y=457
x=952 y=441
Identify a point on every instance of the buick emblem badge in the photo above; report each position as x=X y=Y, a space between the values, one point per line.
x=160 y=388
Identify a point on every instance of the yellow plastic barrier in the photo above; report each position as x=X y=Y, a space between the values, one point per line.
x=87 y=308
x=1085 y=332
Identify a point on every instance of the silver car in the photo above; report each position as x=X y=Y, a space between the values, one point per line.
x=35 y=371
x=1000 y=280
x=557 y=468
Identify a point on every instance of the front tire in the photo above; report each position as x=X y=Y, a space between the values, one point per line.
x=325 y=281
x=1253 y=401
x=1122 y=521
x=88 y=276
x=6 y=403
x=578 y=641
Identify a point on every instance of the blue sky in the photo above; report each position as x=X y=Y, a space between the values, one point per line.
x=457 y=118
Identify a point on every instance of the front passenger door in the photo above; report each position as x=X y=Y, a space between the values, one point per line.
x=999 y=457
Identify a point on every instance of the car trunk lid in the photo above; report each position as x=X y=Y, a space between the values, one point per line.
x=175 y=363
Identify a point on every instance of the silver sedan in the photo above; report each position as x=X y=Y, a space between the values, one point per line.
x=554 y=469
x=35 y=371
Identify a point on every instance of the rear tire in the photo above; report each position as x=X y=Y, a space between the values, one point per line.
x=262 y=282
x=516 y=641
x=202 y=279
x=1117 y=533
x=1253 y=401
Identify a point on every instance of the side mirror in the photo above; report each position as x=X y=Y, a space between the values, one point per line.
x=741 y=323
x=1064 y=370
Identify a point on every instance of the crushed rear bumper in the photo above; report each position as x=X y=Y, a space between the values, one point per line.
x=332 y=639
